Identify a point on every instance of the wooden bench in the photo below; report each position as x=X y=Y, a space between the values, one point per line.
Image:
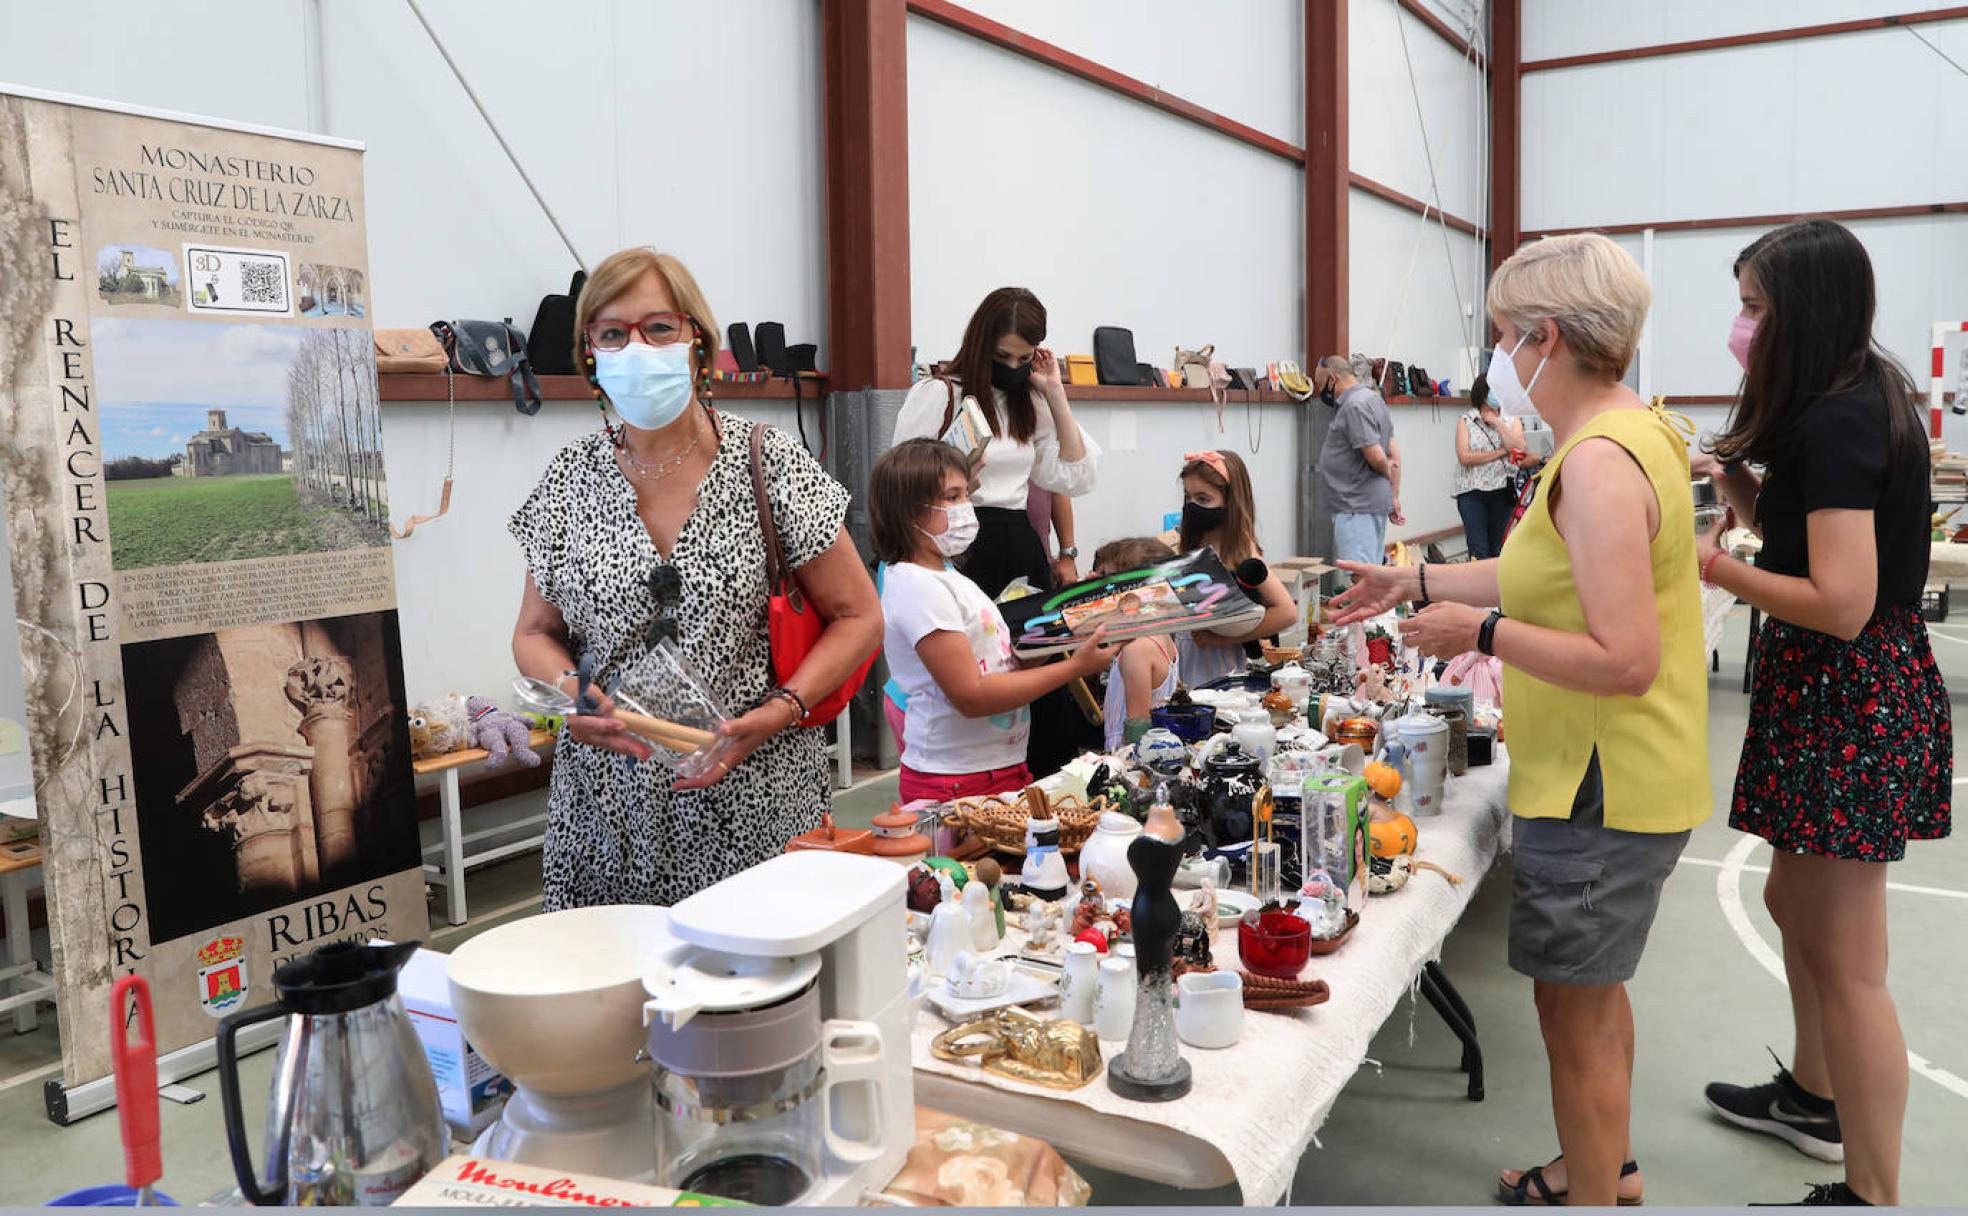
x=30 y=985
x=448 y=870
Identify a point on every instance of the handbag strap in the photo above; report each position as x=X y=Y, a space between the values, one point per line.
x=950 y=409
x=778 y=579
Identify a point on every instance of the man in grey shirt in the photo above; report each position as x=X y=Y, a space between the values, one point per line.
x=1361 y=464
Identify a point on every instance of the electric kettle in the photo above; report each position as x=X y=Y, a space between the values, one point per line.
x=353 y=1119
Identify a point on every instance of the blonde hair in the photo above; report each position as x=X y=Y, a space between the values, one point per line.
x=1588 y=286
x=619 y=271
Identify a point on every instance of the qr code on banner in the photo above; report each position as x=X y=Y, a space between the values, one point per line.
x=237 y=280
x=262 y=282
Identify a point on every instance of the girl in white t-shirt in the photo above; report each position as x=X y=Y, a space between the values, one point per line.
x=947 y=645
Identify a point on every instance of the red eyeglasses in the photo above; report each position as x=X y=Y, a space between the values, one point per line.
x=657 y=329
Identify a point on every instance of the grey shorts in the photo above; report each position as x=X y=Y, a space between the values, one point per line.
x=1584 y=895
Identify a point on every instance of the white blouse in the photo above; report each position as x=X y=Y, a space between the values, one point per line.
x=1010 y=467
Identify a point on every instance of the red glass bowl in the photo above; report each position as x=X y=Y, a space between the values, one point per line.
x=1277 y=945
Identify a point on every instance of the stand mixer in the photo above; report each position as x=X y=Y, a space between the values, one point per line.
x=778 y=1022
x=554 y=1002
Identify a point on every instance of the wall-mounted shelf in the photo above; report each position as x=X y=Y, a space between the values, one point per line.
x=406 y=386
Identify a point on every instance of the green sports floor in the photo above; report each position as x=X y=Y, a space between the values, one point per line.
x=1705 y=1006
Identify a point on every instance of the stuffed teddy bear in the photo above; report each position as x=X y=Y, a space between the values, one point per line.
x=500 y=733
x=438 y=727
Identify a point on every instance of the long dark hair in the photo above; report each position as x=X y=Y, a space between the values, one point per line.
x=1008 y=310
x=1814 y=339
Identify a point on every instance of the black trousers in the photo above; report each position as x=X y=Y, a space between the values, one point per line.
x=1006 y=547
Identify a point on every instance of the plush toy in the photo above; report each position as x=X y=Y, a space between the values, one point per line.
x=438 y=727
x=500 y=733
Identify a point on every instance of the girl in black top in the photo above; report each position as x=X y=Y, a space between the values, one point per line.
x=1850 y=750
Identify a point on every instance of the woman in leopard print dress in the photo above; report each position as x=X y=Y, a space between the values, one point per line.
x=673 y=499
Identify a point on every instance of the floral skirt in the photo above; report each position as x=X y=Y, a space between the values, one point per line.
x=1850 y=748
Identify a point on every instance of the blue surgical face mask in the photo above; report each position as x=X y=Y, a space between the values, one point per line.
x=649 y=386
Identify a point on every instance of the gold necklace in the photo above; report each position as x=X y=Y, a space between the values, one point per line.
x=662 y=468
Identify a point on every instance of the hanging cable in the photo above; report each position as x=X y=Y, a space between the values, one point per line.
x=1937 y=50
x=1448 y=250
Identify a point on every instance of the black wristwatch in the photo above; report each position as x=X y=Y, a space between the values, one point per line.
x=1486 y=636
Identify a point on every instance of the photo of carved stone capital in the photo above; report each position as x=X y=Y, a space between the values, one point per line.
x=272 y=763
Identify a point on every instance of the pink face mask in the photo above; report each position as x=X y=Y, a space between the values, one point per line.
x=1740 y=336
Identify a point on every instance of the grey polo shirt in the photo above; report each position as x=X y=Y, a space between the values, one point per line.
x=1352 y=486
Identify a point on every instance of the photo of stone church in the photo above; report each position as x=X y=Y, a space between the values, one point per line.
x=137 y=274
x=271 y=762
x=226 y=451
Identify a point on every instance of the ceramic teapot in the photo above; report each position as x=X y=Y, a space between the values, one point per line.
x=1231 y=776
x=1103 y=857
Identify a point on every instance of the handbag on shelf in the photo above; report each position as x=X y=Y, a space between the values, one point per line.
x=409 y=350
x=492 y=348
x=1080 y=369
x=1194 y=366
x=792 y=623
x=738 y=340
x=1394 y=381
x=1113 y=355
x=1420 y=383
x=551 y=340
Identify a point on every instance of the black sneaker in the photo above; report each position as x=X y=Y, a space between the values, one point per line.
x=1783 y=1109
x=1824 y=1195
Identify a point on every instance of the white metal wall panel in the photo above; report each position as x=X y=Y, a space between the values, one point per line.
x=1120 y=215
x=1555 y=28
x=1241 y=60
x=1431 y=326
x=1384 y=139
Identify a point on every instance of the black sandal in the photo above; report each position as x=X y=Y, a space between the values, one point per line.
x=1519 y=1194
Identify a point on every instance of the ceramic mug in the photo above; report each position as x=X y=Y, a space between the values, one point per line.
x=1209 y=1011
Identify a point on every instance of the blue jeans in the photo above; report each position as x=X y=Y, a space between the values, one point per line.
x=1360 y=538
x=1485 y=518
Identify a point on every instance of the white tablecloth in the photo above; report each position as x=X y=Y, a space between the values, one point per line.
x=1716 y=605
x=1260 y=1101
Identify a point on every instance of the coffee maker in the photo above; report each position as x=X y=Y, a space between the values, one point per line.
x=778 y=1028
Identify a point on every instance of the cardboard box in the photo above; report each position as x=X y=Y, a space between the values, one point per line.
x=471 y=1091
x=473 y=1182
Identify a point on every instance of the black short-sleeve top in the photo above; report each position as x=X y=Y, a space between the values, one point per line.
x=1841 y=457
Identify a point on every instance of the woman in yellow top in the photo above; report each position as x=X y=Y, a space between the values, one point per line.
x=1594 y=608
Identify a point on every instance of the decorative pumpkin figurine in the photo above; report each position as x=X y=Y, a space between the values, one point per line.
x=1383 y=779
x=1281 y=708
x=1392 y=841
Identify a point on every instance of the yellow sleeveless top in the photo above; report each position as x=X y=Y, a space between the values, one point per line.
x=1653 y=750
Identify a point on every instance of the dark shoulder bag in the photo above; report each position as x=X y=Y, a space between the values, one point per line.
x=492 y=348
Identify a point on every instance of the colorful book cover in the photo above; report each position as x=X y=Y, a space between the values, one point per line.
x=1192 y=592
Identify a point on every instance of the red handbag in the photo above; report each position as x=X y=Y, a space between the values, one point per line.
x=793 y=624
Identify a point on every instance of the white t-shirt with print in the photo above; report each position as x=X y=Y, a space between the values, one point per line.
x=917 y=602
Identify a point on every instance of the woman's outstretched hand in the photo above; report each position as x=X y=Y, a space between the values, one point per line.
x=1375 y=589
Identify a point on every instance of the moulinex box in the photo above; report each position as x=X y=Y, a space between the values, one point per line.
x=473 y=1182
x=471 y=1091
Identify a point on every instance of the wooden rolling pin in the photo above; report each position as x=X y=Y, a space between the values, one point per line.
x=673 y=735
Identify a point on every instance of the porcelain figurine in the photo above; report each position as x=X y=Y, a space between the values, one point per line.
x=949 y=932
x=991 y=875
x=977 y=908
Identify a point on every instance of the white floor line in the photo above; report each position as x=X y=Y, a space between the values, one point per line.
x=1947 y=637
x=481 y=917
x=1728 y=892
x=32 y=1074
x=1903 y=887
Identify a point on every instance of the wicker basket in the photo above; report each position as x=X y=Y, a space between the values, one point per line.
x=999 y=819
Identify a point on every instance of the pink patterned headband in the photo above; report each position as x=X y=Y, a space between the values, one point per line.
x=1213 y=459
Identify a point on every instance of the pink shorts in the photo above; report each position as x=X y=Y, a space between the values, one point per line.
x=946 y=787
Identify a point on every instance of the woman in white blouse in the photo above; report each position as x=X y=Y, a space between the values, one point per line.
x=1036 y=441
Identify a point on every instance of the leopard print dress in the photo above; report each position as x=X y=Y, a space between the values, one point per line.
x=616 y=831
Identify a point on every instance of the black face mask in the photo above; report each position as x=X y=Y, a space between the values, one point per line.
x=1009 y=378
x=1331 y=398
x=1198 y=519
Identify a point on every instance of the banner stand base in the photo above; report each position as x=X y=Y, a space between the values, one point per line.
x=66 y=1105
